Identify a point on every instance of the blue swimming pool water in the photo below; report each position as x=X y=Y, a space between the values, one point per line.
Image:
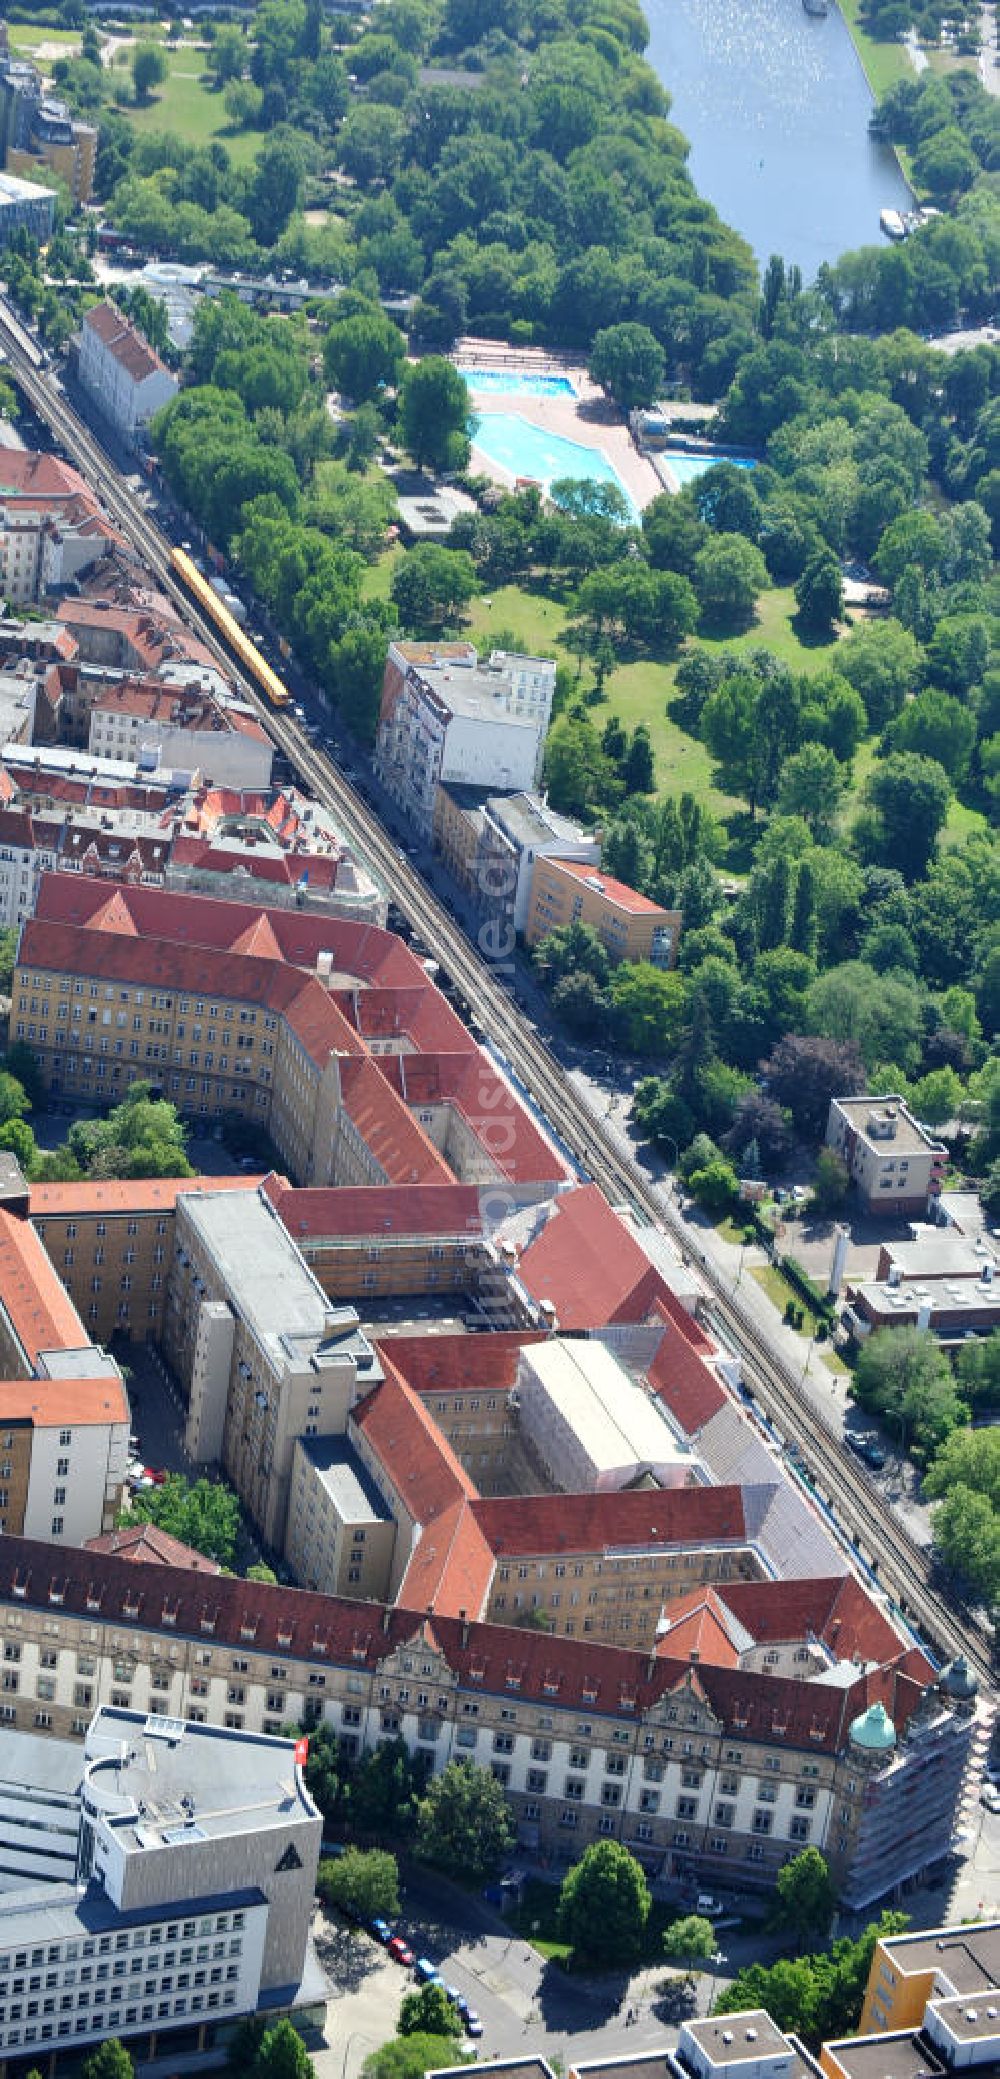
x=687 y=468
x=501 y=382
x=516 y=445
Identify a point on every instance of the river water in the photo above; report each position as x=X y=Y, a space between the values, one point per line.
x=776 y=107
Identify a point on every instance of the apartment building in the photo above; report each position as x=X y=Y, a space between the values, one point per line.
x=381 y=1241
x=113 y=1244
x=25 y=206
x=37 y=130
x=262 y=1356
x=123 y=374
x=326 y=1032
x=702 y=1768
x=894 y=1163
x=182 y=727
x=629 y=925
x=64 y=1414
x=52 y=528
x=444 y=718
x=490 y=843
x=179 y=1897
x=92 y=815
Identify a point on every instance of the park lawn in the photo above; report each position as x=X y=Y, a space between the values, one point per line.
x=186 y=105
x=26 y=37
x=536 y=621
x=883 y=63
x=376 y=578
x=961 y=823
x=640 y=693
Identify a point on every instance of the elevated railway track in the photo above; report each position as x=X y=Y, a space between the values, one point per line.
x=902 y=1566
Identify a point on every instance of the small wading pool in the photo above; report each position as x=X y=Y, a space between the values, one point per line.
x=523 y=450
x=502 y=382
x=687 y=468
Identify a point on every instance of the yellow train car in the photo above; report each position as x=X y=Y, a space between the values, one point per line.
x=232 y=634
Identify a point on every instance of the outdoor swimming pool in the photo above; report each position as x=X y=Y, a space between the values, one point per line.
x=687 y=468
x=503 y=382
x=515 y=445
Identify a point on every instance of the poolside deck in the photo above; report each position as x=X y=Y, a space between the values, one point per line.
x=588 y=418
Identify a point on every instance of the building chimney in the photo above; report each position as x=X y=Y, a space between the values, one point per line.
x=464 y=1621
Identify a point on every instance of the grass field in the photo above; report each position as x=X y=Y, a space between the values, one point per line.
x=186 y=104
x=884 y=63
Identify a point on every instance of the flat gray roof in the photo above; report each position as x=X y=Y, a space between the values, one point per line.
x=347 y=1482
x=969 y=1957
x=899 y=2056
x=284 y=1306
x=164 y=1781
x=908 y=1137
x=529 y=818
x=48 y=1768
x=474 y=694
x=939 y=1252
x=747 y=2038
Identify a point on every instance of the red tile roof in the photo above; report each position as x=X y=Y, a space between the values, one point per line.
x=36 y=1302
x=838 y=1611
x=688 y=1386
x=416 y=1459
x=586 y=1262
x=146 y=1545
x=142 y=1195
x=617 y=892
x=699 y=1630
x=403 y=1150
x=444 y=1363
x=312 y=1216
x=648 y=1517
x=53 y=1403
x=537 y=1667
x=505 y=1129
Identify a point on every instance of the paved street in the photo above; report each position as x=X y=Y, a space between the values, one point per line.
x=525 y=2004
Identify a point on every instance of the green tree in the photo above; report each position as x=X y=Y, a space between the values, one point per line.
x=831 y=1182
x=228 y=54
x=149 y=69
x=691 y=1940
x=629 y=363
x=903 y=1375
x=968 y=1458
x=936 y=725
x=412 y=2057
x=463 y=1821
x=202 y=1513
x=434 y=414
x=282 y=2054
x=716 y=1187
x=8 y=958
x=812 y=786
x=363 y=355
x=363 y=1883
x=428 y=2012
x=819 y=594
x=109 y=2061
x=729 y=575
x=275 y=189
x=883 y=662
x=432 y=584
x=604 y=1904
x=647 y=1006
x=909 y=795
x=937 y=1096
x=13 y=1098
x=805 y=1897
x=978 y=1370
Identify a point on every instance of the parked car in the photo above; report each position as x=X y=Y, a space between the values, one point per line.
x=707 y=1907
x=990 y=1797
x=471 y=2022
x=381 y=1931
x=426 y=1972
x=401 y=1952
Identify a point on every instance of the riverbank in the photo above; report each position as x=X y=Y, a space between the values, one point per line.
x=882 y=63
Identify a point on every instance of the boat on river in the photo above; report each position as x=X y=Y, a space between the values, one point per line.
x=819 y=7
x=893 y=223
